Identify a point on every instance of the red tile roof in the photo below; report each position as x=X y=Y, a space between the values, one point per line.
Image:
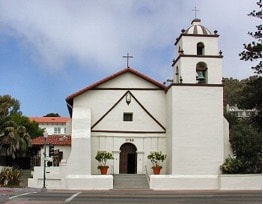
x=50 y=119
x=69 y=99
x=60 y=140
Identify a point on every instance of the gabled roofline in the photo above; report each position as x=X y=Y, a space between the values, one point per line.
x=138 y=102
x=70 y=98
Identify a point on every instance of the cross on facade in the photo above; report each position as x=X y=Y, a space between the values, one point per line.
x=127 y=57
x=195 y=10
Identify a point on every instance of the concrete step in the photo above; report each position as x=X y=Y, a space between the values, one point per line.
x=130 y=181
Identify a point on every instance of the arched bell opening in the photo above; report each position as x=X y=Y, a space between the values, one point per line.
x=200 y=48
x=201 y=72
x=128 y=159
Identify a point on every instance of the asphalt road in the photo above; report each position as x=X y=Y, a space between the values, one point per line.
x=137 y=196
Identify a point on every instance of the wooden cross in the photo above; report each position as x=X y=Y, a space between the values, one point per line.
x=127 y=57
x=195 y=10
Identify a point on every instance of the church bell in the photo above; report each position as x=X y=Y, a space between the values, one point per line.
x=200 y=77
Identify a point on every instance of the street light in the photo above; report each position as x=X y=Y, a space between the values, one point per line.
x=45 y=157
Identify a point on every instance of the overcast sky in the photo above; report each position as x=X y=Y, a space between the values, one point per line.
x=50 y=49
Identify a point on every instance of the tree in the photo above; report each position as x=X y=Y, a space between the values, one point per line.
x=247 y=149
x=15 y=129
x=251 y=98
x=252 y=92
x=232 y=89
x=246 y=144
x=13 y=136
x=52 y=115
x=253 y=50
x=32 y=127
x=8 y=106
x=245 y=135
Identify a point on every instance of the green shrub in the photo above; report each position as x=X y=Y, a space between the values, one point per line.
x=246 y=143
x=231 y=166
x=10 y=177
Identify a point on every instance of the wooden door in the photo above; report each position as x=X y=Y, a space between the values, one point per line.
x=128 y=159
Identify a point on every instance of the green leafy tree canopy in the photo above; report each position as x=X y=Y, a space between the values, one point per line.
x=253 y=50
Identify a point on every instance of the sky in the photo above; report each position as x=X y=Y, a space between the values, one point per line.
x=50 y=49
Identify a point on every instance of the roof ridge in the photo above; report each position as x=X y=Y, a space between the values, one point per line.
x=128 y=69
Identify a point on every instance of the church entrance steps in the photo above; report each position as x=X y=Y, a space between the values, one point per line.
x=130 y=181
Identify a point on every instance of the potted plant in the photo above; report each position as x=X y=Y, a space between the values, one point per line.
x=102 y=157
x=156 y=158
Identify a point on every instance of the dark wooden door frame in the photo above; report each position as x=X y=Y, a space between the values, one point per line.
x=128 y=159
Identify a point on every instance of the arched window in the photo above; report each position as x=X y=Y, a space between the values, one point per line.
x=201 y=72
x=200 y=48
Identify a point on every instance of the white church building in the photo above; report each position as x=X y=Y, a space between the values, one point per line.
x=131 y=115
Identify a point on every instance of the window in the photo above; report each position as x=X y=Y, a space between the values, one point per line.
x=200 y=48
x=127 y=116
x=57 y=130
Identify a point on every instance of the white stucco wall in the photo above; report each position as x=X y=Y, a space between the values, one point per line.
x=240 y=182
x=227 y=146
x=144 y=145
x=189 y=44
x=100 y=101
x=147 y=130
x=234 y=182
x=188 y=72
x=169 y=140
x=127 y=80
x=50 y=128
x=187 y=64
x=79 y=159
x=197 y=130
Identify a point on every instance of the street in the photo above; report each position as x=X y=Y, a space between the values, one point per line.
x=138 y=196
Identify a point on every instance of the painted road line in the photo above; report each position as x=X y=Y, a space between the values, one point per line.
x=23 y=194
x=72 y=197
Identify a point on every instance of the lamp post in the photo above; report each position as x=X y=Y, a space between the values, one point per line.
x=45 y=151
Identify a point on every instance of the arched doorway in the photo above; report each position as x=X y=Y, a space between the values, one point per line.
x=128 y=159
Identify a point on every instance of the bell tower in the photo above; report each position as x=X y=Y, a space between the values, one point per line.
x=195 y=136
x=198 y=58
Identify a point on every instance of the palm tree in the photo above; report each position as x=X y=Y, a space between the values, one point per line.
x=15 y=138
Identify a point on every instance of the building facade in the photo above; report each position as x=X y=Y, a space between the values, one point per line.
x=240 y=113
x=132 y=115
x=53 y=125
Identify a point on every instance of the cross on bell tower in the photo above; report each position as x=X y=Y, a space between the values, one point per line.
x=127 y=57
x=195 y=10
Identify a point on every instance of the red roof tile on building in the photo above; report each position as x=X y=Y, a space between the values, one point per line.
x=59 y=140
x=50 y=119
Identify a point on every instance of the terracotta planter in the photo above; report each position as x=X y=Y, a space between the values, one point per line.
x=156 y=169
x=103 y=170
